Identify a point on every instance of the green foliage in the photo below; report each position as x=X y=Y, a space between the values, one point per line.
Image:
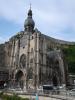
x=11 y=97
x=69 y=53
x=1 y=93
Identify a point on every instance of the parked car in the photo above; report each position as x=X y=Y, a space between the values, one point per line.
x=72 y=92
x=48 y=89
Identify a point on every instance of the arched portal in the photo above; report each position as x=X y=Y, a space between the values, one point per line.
x=19 y=77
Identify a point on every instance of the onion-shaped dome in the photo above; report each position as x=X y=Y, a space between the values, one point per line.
x=29 y=22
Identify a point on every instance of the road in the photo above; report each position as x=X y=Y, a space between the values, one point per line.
x=40 y=97
x=48 y=98
x=43 y=97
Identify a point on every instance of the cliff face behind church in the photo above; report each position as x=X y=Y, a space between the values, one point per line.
x=69 y=54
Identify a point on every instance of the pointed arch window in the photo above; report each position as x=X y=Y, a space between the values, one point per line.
x=23 y=61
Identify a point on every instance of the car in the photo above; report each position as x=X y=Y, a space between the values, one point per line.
x=72 y=92
x=48 y=89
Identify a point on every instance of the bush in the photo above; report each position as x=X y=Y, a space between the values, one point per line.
x=69 y=56
x=1 y=93
x=11 y=97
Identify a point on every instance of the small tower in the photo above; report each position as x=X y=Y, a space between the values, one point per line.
x=29 y=22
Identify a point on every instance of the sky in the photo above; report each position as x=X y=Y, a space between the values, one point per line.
x=55 y=18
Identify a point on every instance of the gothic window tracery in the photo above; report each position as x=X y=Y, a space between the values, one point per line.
x=30 y=73
x=23 y=61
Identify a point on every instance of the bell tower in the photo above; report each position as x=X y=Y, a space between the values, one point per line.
x=29 y=22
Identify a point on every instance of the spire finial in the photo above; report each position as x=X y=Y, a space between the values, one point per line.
x=30 y=6
x=30 y=11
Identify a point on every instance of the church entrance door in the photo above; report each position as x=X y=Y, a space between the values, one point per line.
x=55 y=82
x=19 y=77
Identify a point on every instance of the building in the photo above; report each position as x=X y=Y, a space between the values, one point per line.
x=33 y=59
x=4 y=71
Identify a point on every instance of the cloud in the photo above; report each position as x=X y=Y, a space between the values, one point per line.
x=12 y=10
x=53 y=17
x=2 y=40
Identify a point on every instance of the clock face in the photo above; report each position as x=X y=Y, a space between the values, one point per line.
x=23 y=61
x=23 y=41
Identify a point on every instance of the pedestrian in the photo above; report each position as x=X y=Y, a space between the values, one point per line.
x=37 y=98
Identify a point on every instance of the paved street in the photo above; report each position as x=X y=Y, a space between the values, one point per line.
x=48 y=98
x=40 y=97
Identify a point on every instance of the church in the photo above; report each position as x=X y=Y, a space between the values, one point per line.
x=31 y=59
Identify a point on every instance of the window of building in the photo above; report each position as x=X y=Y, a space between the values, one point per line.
x=30 y=73
x=31 y=50
x=23 y=61
x=32 y=37
x=31 y=60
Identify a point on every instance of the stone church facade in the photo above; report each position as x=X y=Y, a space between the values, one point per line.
x=33 y=59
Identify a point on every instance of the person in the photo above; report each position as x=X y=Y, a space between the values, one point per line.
x=5 y=85
x=37 y=98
